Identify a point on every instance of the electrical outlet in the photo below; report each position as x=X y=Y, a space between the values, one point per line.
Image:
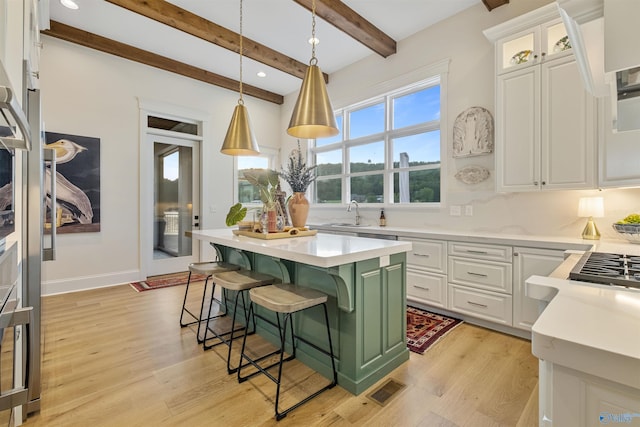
x=468 y=210
x=455 y=210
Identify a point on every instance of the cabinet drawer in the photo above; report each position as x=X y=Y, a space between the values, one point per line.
x=482 y=304
x=427 y=255
x=430 y=288
x=480 y=251
x=494 y=276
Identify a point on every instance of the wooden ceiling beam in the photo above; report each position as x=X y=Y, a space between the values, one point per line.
x=103 y=44
x=492 y=4
x=183 y=20
x=348 y=21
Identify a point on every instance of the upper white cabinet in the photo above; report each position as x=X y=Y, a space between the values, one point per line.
x=532 y=46
x=545 y=119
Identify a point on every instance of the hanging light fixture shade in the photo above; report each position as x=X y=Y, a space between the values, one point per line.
x=240 y=140
x=312 y=115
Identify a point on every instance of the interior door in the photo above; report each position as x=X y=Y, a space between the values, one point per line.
x=174 y=208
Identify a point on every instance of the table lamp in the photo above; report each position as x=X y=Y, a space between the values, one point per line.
x=591 y=207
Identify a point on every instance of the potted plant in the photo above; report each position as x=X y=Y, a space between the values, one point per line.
x=299 y=176
x=267 y=181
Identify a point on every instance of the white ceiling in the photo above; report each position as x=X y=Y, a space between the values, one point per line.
x=282 y=25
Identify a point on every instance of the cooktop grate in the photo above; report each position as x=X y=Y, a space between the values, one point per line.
x=608 y=269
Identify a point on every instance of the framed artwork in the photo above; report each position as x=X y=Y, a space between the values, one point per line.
x=77 y=182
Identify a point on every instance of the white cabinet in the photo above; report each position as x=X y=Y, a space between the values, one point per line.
x=427 y=272
x=532 y=46
x=571 y=397
x=545 y=119
x=545 y=129
x=480 y=281
x=526 y=263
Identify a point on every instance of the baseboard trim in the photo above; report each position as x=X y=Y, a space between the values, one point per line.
x=83 y=283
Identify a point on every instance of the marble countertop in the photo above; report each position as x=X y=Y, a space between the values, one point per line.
x=547 y=242
x=588 y=327
x=321 y=250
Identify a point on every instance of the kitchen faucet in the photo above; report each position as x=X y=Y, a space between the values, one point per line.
x=353 y=202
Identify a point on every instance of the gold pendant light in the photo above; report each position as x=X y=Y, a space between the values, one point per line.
x=313 y=115
x=240 y=140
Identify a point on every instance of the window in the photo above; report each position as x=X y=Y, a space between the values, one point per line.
x=247 y=193
x=387 y=151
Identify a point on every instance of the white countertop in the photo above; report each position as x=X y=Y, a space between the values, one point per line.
x=588 y=327
x=546 y=242
x=321 y=250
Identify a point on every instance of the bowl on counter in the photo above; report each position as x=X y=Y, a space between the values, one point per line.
x=630 y=232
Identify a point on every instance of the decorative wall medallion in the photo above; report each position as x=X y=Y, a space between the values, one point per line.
x=473 y=133
x=472 y=174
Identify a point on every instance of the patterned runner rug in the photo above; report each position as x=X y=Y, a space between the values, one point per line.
x=425 y=328
x=165 y=281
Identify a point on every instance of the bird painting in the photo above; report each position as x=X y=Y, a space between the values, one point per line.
x=72 y=203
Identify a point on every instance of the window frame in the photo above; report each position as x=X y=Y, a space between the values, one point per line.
x=386 y=136
x=272 y=155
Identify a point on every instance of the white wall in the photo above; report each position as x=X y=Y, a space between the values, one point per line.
x=94 y=94
x=471 y=82
x=89 y=93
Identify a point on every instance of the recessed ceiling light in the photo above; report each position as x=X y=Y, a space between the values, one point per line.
x=314 y=40
x=69 y=4
x=262 y=74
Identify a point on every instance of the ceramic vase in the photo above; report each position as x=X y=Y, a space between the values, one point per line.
x=298 y=209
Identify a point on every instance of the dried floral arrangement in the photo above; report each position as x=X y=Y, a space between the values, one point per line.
x=298 y=175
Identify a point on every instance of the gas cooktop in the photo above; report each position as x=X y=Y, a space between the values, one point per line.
x=608 y=269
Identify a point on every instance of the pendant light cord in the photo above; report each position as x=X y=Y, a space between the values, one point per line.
x=241 y=101
x=313 y=60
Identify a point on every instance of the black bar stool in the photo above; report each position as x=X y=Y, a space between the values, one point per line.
x=286 y=299
x=207 y=269
x=239 y=281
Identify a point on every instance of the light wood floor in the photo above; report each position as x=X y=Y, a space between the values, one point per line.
x=114 y=357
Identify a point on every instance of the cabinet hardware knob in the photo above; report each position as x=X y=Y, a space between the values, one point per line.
x=543 y=53
x=535 y=56
x=424 y=255
x=516 y=254
x=544 y=183
x=535 y=183
x=421 y=287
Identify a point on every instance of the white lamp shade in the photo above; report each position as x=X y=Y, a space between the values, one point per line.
x=591 y=206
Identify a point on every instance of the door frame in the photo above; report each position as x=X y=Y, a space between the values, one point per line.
x=157 y=109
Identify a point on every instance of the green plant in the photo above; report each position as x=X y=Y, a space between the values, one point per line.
x=236 y=214
x=266 y=180
x=298 y=175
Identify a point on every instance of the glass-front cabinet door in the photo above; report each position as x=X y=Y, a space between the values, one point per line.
x=532 y=46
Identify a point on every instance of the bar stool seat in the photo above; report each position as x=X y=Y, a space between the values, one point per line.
x=207 y=269
x=239 y=281
x=287 y=299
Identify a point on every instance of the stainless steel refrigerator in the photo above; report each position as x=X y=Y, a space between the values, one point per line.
x=22 y=130
x=38 y=245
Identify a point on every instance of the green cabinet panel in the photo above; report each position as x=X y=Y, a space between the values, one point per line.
x=367 y=314
x=396 y=306
x=373 y=316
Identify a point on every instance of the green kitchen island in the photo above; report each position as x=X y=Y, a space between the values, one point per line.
x=366 y=283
